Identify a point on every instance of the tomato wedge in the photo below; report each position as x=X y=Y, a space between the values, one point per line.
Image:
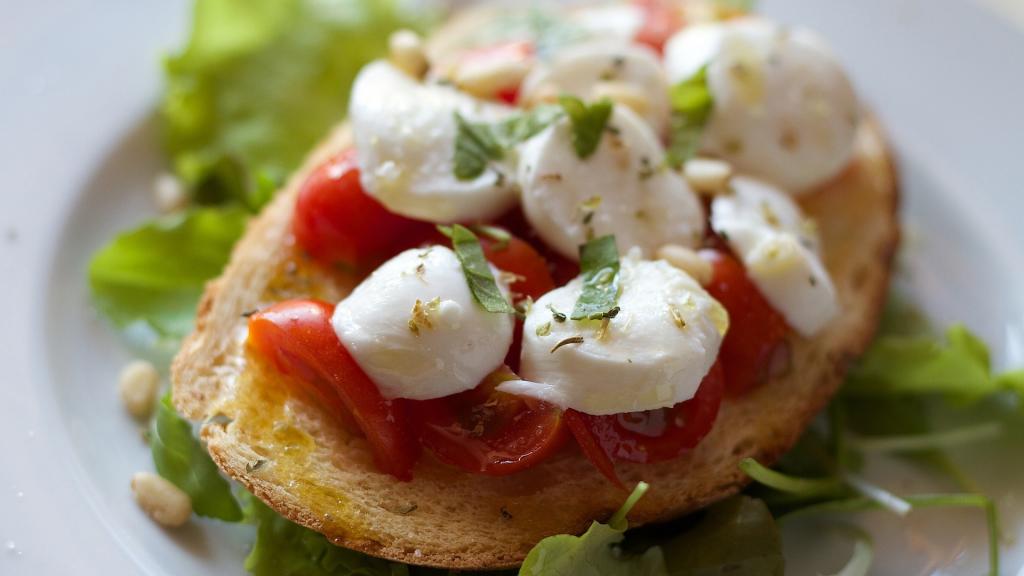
x=490 y=432
x=515 y=256
x=298 y=337
x=337 y=223
x=579 y=425
x=662 y=19
x=755 y=348
x=654 y=435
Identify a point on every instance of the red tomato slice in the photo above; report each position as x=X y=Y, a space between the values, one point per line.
x=561 y=268
x=755 y=348
x=490 y=432
x=298 y=337
x=579 y=426
x=662 y=19
x=337 y=223
x=515 y=256
x=657 y=435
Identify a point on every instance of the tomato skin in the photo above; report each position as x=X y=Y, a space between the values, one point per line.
x=519 y=258
x=658 y=435
x=662 y=19
x=755 y=348
x=591 y=447
x=337 y=223
x=486 y=431
x=560 y=268
x=298 y=337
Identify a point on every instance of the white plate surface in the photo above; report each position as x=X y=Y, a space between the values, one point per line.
x=78 y=81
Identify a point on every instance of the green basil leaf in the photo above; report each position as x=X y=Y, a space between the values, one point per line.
x=692 y=104
x=477 y=144
x=155 y=273
x=475 y=147
x=478 y=272
x=588 y=123
x=599 y=266
x=596 y=553
x=181 y=459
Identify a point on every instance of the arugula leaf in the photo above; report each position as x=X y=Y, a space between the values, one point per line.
x=588 y=123
x=599 y=265
x=692 y=104
x=596 y=552
x=479 y=143
x=181 y=459
x=258 y=83
x=916 y=365
x=156 y=272
x=735 y=536
x=478 y=272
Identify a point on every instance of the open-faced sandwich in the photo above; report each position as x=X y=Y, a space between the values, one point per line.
x=540 y=264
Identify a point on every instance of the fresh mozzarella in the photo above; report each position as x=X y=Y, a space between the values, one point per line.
x=622 y=189
x=415 y=329
x=652 y=354
x=405 y=141
x=784 y=109
x=778 y=245
x=630 y=74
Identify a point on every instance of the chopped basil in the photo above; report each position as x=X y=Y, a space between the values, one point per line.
x=478 y=273
x=558 y=316
x=500 y=236
x=475 y=146
x=691 y=108
x=588 y=123
x=479 y=143
x=599 y=265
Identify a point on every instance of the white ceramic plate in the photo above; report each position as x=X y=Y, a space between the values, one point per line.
x=78 y=81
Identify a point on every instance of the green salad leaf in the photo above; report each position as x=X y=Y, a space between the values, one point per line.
x=599 y=266
x=181 y=459
x=692 y=104
x=733 y=537
x=596 y=552
x=155 y=273
x=258 y=83
x=477 y=271
x=588 y=123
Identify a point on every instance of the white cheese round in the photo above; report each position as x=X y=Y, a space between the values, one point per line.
x=630 y=74
x=404 y=135
x=652 y=354
x=415 y=329
x=622 y=189
x=778 y=246
x=784 y=109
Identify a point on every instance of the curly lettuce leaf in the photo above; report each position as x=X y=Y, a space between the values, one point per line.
x=181 y=459
x=155 y=273
x=596 y=553
x=258 y=83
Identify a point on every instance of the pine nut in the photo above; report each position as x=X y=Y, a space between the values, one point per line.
x=138 y=387
x=406 y=51
x=484 y=78
x=164 y=502
x=169 y=193
x=623 y=93
x=688 y=261
x=707 y=176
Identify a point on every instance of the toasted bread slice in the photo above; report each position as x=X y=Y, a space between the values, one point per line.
x=293 y=455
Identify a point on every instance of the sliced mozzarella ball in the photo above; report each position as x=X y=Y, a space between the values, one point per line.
x=629 y=74
x=652 y=354
x=784 y=108
x=621 y=189
x=415 y=329
x=766 y=229
x=405 y=140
